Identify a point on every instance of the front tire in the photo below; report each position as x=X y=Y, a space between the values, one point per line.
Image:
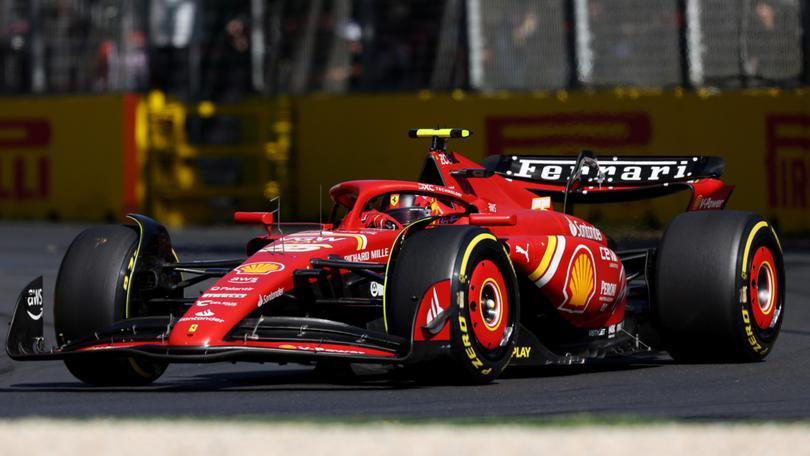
x=91 y=294
x=483 y=298
x=719 y=287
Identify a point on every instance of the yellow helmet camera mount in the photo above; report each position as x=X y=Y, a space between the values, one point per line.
x=439 y=136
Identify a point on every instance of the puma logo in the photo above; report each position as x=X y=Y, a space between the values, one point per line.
x=522 y=251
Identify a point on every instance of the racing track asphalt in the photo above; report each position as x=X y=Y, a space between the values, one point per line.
x=647 y=388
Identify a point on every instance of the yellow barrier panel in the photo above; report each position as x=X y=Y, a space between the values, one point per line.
x=93 y=158
x=96 y=158
x=68 y=157
x=207 y=160
x=764 y=137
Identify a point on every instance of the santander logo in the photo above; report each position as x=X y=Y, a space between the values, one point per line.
x=584 y=231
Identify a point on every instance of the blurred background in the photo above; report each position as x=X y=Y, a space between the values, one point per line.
x=187 y=110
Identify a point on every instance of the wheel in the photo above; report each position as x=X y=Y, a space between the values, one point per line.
x=719 y=287
x=483 y=292
x=91 y=294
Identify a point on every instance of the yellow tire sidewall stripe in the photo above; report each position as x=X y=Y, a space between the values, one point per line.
x=747 y=251
x=135 y=263
x=475 y=241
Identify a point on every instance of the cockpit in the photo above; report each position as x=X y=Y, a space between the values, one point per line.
x=391 y=210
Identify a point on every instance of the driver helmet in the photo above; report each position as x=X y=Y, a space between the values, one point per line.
x=408 y=207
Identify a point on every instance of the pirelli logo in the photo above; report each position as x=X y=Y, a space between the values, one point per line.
x=787 y=154
x=25 y=170
x=567 y=132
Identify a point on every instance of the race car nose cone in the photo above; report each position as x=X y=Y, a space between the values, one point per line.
x=190 y=333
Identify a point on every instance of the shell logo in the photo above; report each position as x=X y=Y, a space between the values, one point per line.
x=259 y=268
x=580 y=282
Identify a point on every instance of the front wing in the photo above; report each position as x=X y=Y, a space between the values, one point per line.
x=266 y=339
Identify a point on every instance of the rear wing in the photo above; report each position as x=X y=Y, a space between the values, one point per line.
x=625 y=171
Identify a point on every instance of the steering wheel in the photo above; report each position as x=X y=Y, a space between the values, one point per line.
x=375 y=219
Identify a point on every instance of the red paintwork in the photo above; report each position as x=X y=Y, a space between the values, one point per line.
x=112 y=345
x=493 y=219
x=314 y=347
x=269 y=272
x=764 y=316
x=566 y=257
x=435 y=300
x=709 y=195
x=486 y=276
x=265 y=218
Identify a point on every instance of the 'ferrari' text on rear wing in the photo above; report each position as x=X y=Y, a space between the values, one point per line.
x=615 y=171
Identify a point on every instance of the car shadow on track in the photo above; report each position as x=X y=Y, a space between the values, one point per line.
x=297 y=379
x=335 y=378
x=795 y=332
x=593 y=366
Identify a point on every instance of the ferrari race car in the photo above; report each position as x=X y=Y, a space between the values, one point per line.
x=471 y=263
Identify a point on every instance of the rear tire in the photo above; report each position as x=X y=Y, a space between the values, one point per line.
x=483 y=295
x=91 y=295
x=719 y=287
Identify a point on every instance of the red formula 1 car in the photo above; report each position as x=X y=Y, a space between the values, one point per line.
x=470 y=263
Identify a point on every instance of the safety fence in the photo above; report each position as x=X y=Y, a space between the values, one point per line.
x=228 y=50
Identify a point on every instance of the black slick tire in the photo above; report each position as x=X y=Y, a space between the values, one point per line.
x=719 y=287
x=481 y=338
x=91 y=295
